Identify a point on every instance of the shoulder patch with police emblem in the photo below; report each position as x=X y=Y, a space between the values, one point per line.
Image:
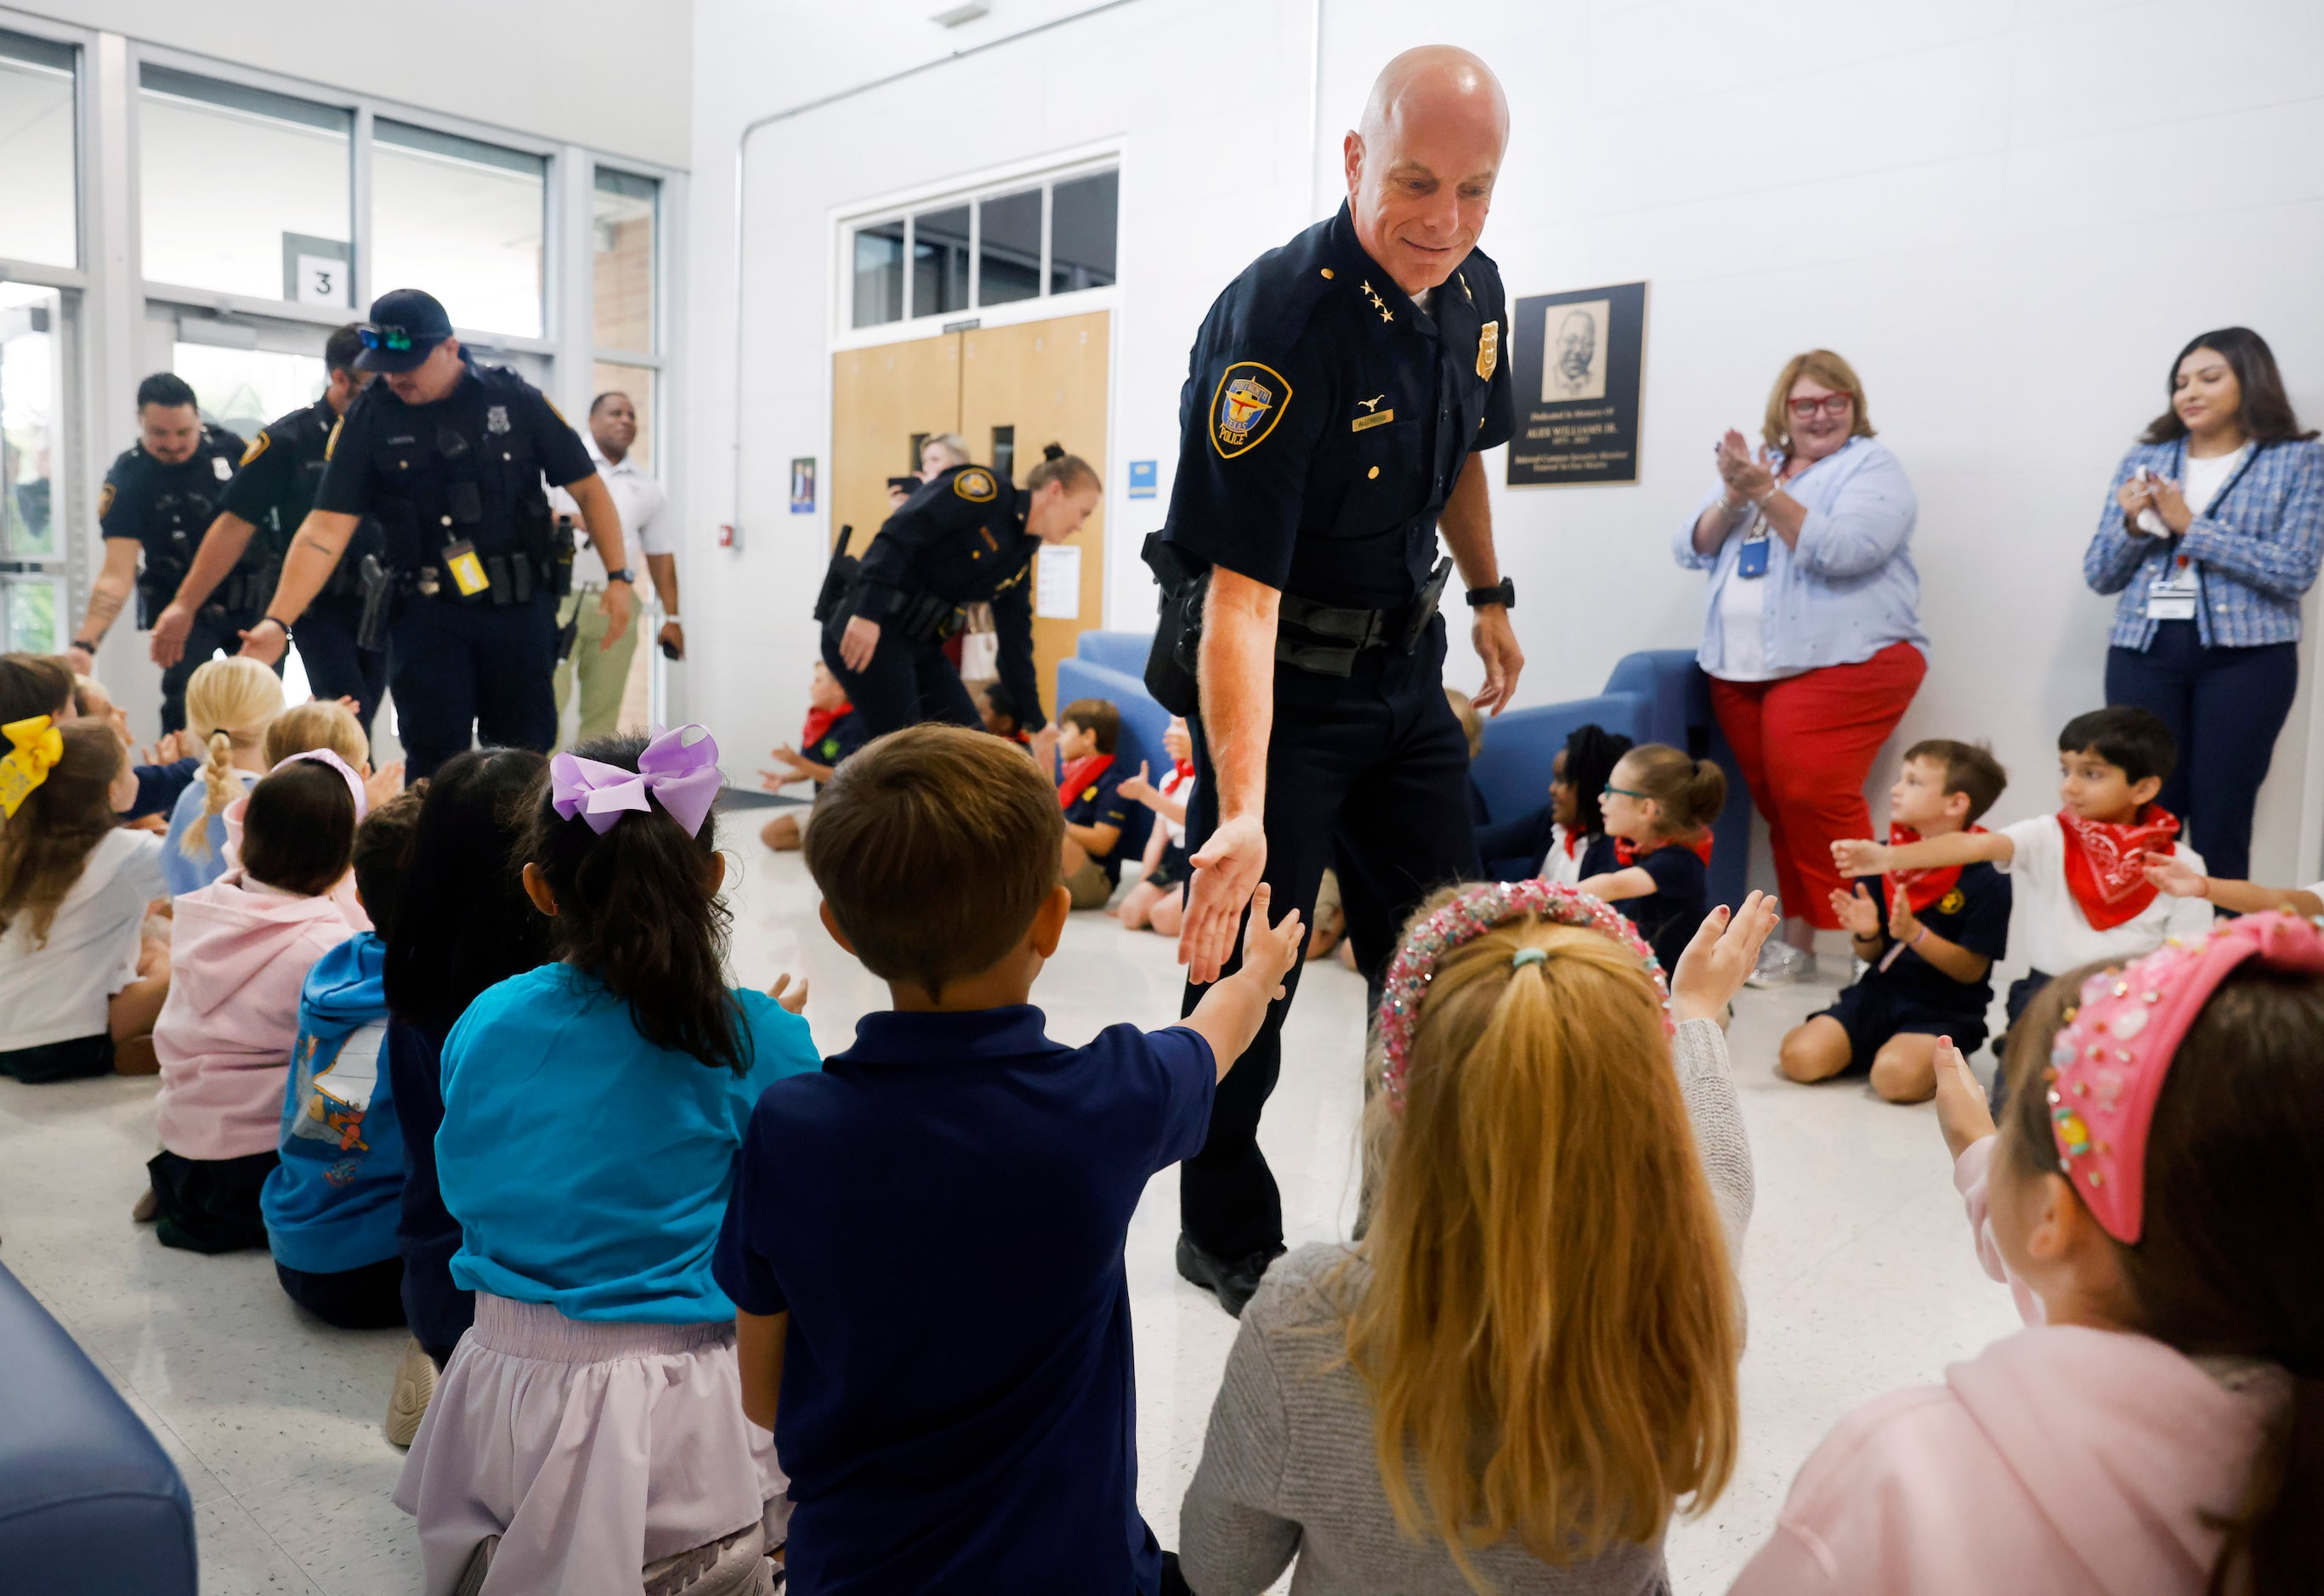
x=1249 y=401
x=976 y=484
x=105 y=500
x=332 y=442
x=255 y=446
x=1488 y=349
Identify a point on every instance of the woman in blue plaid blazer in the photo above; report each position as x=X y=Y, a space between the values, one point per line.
x=2212 y=532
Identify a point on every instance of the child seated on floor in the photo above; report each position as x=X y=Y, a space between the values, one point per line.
x=1658 y=806
x=998 y=711
x=1159 y=897
x=833 y=731
x=240 y=949
x=2152 y=1195
x=331 y=1203
x=1929 y=938
x=78 y=986
x=1005 y=1456
x=1565 y=839
x=589 y=1431
x=43 y=684
x=1089 y=791
x=229 y=704
x=2080 y=874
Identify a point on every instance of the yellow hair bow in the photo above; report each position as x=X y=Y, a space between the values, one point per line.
x=39 y=746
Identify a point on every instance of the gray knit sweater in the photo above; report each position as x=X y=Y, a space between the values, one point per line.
x=1288 y=1468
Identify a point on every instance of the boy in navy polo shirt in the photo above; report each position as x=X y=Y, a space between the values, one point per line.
x=1089 y=789
x=925 y=1243
x=1929 y=937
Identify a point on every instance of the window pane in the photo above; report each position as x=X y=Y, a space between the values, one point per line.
x=1011 y=251
x=241 y=190
x=638 y=382
x=242 y=389
x=621 y=211
x=37 y=220
x=880 y=274
x=461 y=219
x=32 y=616
x=1082 y=224
x=940 y=262
x=32 y=407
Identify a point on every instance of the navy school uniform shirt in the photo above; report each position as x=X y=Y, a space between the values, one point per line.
x=1669 y=916
x=941 y=1210
x=1974 y=913
x=1100 y=803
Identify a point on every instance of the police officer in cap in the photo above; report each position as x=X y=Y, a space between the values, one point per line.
x=449 y=456
x=159 y=498
x=1339 y=397
x=965 y=537
x=273 y=490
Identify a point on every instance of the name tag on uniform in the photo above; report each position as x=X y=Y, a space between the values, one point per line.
x=1377 y=418
x=2173 y=597
x=467 y=570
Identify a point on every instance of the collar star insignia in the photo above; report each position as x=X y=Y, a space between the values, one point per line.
x=1379 y=304
x=1387 y=314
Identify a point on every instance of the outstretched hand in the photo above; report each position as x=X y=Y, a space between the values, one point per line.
x=793 y=997
x=1961 y=1111
x=2168 y=873
x=1725 y=950
x=1227 y=871
x=1138 y=789
x=1861 y=856
x=1269 y=951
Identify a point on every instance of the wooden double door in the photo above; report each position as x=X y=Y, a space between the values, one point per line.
x=1008 y=391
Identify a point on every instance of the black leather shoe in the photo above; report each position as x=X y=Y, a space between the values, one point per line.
x=1232 y=1279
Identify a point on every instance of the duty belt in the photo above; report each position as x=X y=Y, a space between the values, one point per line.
x=1329 y=639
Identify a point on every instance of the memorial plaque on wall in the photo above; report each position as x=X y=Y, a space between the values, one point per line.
x=1576 y=360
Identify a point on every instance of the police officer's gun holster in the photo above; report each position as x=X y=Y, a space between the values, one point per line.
x=927 y=618
x=837 y=577
x=1170 y=664
x=1326 y=639
x=378 y=604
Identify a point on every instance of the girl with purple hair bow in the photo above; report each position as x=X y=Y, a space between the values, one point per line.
x=588 y=1431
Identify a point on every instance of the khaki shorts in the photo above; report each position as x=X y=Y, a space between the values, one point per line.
x=1090 y=885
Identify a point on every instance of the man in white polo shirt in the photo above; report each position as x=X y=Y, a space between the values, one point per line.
x=638 y=494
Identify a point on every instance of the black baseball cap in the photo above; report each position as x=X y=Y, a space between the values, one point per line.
x=405 y=326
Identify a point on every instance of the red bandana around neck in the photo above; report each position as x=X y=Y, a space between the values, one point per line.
x=1628 y=852
x=2103 y=868
x=1078 y=777
x=819 y=721
x=1922 y=887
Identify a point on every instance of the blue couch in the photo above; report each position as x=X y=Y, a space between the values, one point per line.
x=89 y=1502
x=1657 y=695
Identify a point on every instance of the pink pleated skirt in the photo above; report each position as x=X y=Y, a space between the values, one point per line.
x=590 y=1449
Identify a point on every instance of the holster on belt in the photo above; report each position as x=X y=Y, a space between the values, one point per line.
x=837 y=577
x=378 y=604
x=927 y=618
x=1171 y=662
x=1326 y=639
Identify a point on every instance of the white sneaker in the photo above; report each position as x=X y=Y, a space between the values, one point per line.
x=407 y=1405
x=1781 y=965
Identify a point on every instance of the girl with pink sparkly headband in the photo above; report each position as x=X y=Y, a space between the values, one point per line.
x=1528 y=1361
x=2156 y=1194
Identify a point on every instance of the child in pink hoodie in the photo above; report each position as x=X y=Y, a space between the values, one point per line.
x=240 y=949
x=2157 y=1200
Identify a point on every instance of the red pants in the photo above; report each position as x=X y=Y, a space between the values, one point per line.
x=1806 y=743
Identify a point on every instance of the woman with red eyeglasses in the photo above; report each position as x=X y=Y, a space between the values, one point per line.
x=1812 y=635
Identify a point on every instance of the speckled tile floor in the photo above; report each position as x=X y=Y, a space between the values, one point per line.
x=1858 y=1269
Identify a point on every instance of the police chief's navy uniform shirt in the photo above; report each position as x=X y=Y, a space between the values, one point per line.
x=1326 y=417
x=941 y=1211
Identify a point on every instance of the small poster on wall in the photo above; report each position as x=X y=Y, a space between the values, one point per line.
x=1577 y=359
x=803 y=487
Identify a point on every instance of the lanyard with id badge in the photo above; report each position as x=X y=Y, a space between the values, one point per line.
x=1751 y=561
x=2177 y=595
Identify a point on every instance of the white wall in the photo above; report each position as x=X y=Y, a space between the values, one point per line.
x=2008 y=218
x=610 y=74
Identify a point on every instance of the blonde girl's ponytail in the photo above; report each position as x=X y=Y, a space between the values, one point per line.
x=229 y=704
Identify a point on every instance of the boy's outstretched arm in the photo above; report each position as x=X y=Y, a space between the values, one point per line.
x=1865 y=857
x=2170 y=873
x=1232 y=1011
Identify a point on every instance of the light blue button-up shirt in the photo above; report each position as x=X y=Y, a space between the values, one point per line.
x=1849 y=590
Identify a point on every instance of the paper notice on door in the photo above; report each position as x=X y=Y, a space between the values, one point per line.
x=1057 y=583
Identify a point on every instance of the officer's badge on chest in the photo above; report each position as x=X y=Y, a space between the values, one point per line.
x=496 y=419
x=1249 y=401
x=1488 y=349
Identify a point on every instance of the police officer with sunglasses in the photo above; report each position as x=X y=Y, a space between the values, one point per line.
x=450 y=456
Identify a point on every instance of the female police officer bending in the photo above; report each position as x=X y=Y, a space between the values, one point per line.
x=965 y=538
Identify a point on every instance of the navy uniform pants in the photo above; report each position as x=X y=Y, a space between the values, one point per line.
x=2224 y=707
x=335 y=667
x=906 y=683
x=214 y=628
x=464 y=673
x=1368 y=773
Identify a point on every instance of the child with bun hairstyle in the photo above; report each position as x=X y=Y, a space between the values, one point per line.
x=1657 y=806
x=589 y=1430
x=229 y=704
x=1528 y=1362
x=80 y=995
x=239 y=950
x=2154 y=1191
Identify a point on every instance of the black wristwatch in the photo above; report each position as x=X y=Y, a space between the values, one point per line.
x=623 y=575
x=1504 y=594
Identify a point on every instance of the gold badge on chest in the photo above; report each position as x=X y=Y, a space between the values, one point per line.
x=1488 y=349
